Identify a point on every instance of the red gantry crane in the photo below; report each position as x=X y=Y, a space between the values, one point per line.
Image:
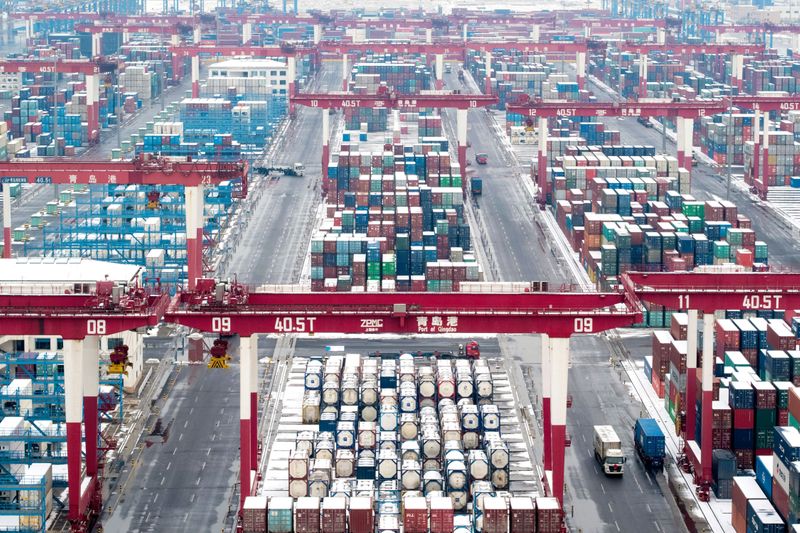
x=707 y=293
x=387 y=100
x=234 y=310
x=736 y=51
x=193 y=175
x=684 y=113
x=179 y=53
x=81 y=319
x=90 y=70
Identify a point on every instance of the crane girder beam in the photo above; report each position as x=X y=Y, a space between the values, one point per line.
x=75 y=316
x=255 y=51
x=644 y=48
x=710 y=292
x=130 y=28
x=39 y=66
x=121 y=172
x=390 y=101
x=558 y=314
x=609 y=23
x=687 y=109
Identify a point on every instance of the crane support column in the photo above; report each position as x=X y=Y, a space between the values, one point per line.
x=326 y=150
x=291 y=74
x=737 y=71
x=345 y=73
x=194 y=233
x=661 y=36
x=795 y=43
x=28 y=29
x=464 y=32
x=691 y=375
x=439 y=71
x=6 y=222
x=487 y=81
x=197 y=36
x=93 y=105
x=643 y=75
x=708 y=395
x=756 y=147
x=428 y=36
x=580 y=66
x=253 y=388
x=317 y=33
x=461 y=134
x=195 y=76
x=559 y=367
x=73 y=392
x=96 y=40
x=535 y=32
x=244 y=419
x=177 y=68
x=126 y=37
x=546 y=425
x=762 y=191
x=91 y=387
x=685 y=127
x=541 y=168
x=247 y=32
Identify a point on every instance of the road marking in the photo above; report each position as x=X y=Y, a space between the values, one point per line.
x=185 y=517
x=649 y=509
x=155 y=497
x=169 y=465
x=198 y=481
x=180 y=438
x=658 y=528
x=186 y=424
x=602 y=488
x=203 y=467
x=213 y=436
x=175 y=451
x=163 y=479
x=191 y=410
x=147 y=517
x=208 y=452
x=191 y=499
x=609 y=508
x=615 y=523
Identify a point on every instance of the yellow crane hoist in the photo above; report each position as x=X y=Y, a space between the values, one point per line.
x=219 y=354
x=119 y=360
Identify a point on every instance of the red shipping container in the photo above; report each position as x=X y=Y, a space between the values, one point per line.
x=548 y=515
x=523 y=515
x=441 y=515
x=361 y=515
x=743 y=418
x=780 y=336
x=334 y=514
x=744 y=488
x=679 y=325
x=415 y=515
x=780 y=500
x=495 y=515
x=306 y=515
x=745 y=459
x=783 y=417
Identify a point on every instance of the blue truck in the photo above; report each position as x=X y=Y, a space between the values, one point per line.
x=476 y=186
x=650 y=443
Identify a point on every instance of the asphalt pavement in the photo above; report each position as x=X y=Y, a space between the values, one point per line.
x=275 y=241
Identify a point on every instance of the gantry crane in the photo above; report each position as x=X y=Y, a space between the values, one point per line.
x=143 y=170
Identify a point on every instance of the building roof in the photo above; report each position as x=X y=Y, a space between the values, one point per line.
x=40 y=270
x=248 y=64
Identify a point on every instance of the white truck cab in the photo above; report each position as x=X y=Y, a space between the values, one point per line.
x=608 y=450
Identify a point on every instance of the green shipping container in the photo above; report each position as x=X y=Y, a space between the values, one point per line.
x=765 y=420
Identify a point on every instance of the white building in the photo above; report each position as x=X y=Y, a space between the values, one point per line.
x=270 y=75
x=38 y=275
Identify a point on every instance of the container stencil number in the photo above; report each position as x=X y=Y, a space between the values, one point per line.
x=221 y=324
x=289 y=324
x=583 y=325
x=96 y=327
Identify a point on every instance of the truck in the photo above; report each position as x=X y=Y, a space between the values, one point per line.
x=649 y=442
x=476 y=186
x=608 y=450
x=481 y=158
